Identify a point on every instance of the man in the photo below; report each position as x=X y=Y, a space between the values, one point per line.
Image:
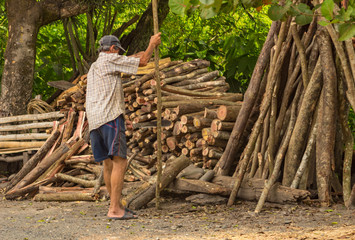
x=105 y=108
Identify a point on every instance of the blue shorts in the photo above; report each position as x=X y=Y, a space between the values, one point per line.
x=109 y=140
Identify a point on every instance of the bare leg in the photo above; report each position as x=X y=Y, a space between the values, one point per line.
x=107 y=174
x=117 y=176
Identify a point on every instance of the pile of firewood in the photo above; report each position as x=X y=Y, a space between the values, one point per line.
x=65 y=153
x=201 y=116
x=194 y=100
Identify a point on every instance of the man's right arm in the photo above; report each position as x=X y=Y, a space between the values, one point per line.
x=154 y=42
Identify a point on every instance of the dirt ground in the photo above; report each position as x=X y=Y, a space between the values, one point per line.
x=178 y=219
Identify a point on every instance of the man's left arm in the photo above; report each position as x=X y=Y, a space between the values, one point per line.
x=137 y=55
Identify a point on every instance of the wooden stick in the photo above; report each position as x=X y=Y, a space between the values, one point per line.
x=27 y=136
x=11 y=144
x=26 y=126
x=159 y=105
x=29 y=165
x=31 y=117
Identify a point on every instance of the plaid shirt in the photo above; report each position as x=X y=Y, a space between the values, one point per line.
x=104 y=95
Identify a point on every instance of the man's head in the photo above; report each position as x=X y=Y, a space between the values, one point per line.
x=107 y=41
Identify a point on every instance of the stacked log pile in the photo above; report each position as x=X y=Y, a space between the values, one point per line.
x=21 y=136
x=64 y=157
x=191 y=96
x=201 y=116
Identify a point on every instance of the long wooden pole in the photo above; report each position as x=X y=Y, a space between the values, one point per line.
x=159 y=105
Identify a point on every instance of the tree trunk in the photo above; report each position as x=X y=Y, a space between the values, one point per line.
x=137 y=39
x=326 y=134
x=25 y=19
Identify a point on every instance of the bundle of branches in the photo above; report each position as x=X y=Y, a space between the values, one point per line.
x=293 y=126
x=68 y=137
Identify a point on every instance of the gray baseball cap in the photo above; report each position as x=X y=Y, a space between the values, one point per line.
x=109 y=40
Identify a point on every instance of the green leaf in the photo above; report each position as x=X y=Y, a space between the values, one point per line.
x=348 y=13
x=275 y=12
x=179 y=7
x=327 y=9
x=304 y=9
x=207 y=2
x=323 y=23
x=207 y=12
x=303 y=19
x=346 y=31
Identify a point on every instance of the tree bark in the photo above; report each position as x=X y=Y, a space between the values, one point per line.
x=326 y=134
x=301 y=130
x=249 y=99
x=25 y=19
x=137 y=39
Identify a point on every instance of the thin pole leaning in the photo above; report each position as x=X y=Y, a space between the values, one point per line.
x=159 y=105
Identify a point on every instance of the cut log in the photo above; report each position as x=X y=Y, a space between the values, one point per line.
x=228 y=113
x=200 y=122
x=188 y=129
x=169 y=174
x=26 y=126
x=210 y=113
x=183 y=79
x=82 y=182
x=186 y=92
x=213 y=153
x=206 y=133
x=31 y=117
x=12 y=159
x=10 y=144
x=217 y=143
x=251 y=190
x=196 y=151
x=197 y=86
x=199 y=104
x=69 y=125
x=27 y=136
x=172 y=142
x=193 y=185
x=67 y=196
x=221 y=135
x=218 y=125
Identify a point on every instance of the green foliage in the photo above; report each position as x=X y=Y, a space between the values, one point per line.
x=303 y=13
x=3 y=33
x=52 y=59
x=231 y=42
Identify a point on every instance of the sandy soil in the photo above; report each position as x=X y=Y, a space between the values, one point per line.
x=178 y=219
